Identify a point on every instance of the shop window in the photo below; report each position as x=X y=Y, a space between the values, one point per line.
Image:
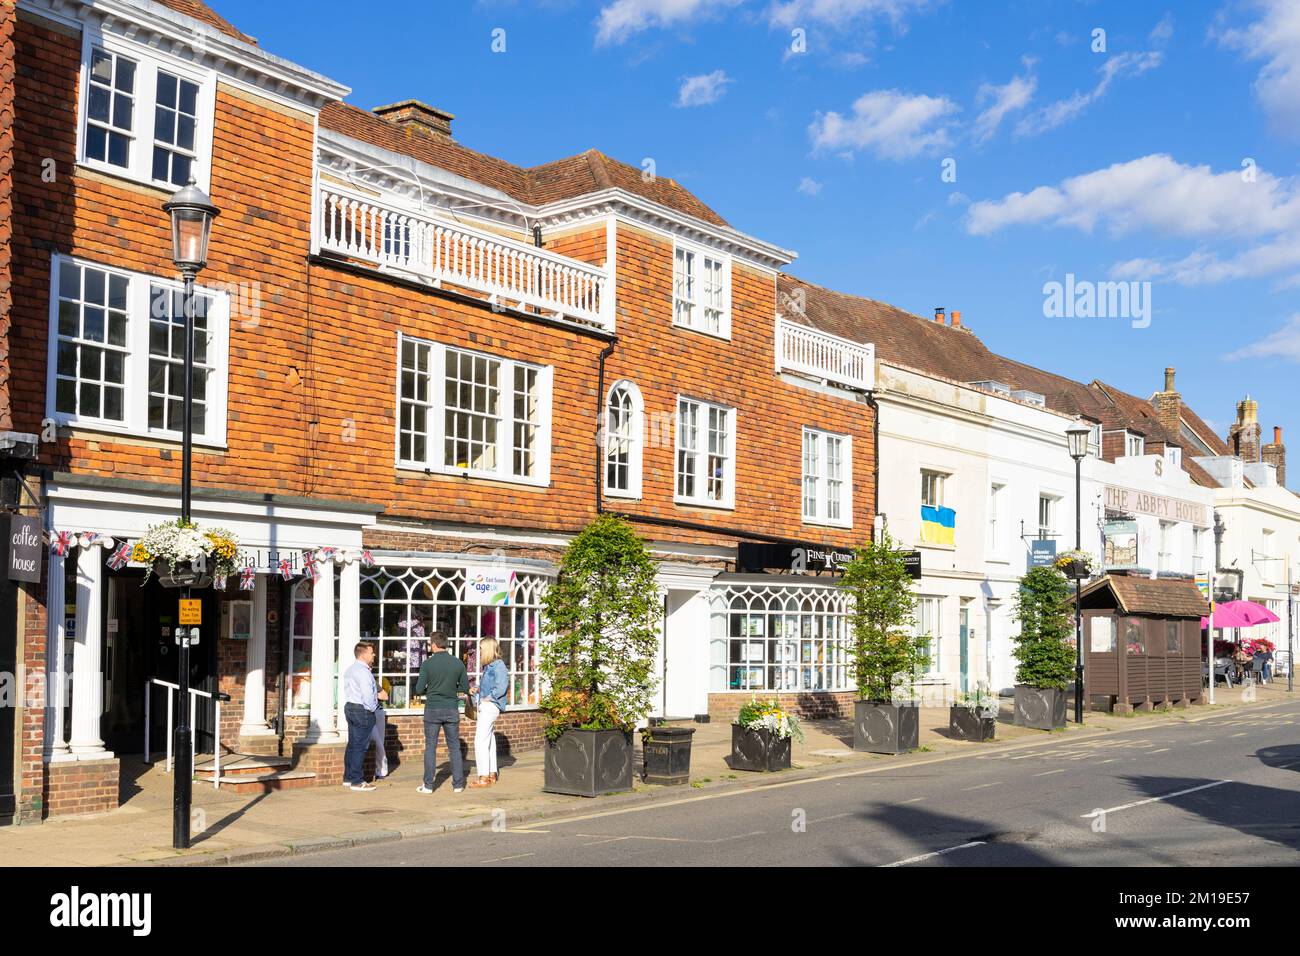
x=779 y=638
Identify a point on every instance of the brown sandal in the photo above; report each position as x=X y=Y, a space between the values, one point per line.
x=493 y=776
x=480 y=783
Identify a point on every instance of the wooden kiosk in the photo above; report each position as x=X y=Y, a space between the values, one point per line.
x=1142 y=642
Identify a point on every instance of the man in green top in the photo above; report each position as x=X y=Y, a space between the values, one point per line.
x=442 y=681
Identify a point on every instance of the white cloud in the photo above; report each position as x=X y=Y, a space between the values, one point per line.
x=1163 y=31
x=1275 y=39
x=1201 y=267
x=890 y=123
x=1009 y=97
x=703 y=90
x=623 y=18
x=809 y=186
x=1154 y=193
x=1283 y=343
x=787 y=14
x=1062 y=111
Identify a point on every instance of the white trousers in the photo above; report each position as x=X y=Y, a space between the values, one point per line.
x=485 y=741
x=377 y=738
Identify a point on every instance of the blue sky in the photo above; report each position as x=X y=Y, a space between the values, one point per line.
x=1169 y=156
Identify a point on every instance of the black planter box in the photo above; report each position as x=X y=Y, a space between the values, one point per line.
x=759 y=750
x=667 y=752
x=886 y=728
x=1039 y=707
x=965 y=723
x=587 y=763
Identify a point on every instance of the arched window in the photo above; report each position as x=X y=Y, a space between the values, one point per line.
x=624 y=429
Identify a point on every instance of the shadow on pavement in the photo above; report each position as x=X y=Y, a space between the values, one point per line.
x=1267 y=813
x=927 y=832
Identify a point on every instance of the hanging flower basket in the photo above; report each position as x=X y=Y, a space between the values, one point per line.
x=184 y=555
x=1075 y=565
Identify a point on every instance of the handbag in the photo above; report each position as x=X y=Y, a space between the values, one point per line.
x=471 y=712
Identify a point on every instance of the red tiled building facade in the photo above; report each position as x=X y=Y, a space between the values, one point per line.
x=416 y=366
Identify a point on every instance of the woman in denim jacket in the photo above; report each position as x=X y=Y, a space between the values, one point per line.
x=493 y=688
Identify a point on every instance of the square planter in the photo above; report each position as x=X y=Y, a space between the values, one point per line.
x=759 y=750
x=667 y=752
x=587 y=763
x=881 y=727
x=1039 y=707
x=966 y=723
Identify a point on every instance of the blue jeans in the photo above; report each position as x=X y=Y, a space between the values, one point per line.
x=361 y=724
x=448 y=721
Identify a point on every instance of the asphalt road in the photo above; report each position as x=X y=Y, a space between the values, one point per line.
x=1223 y=790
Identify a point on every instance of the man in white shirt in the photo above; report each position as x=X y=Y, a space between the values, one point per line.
x=360 y=701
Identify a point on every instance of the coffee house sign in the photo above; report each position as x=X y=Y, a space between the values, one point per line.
x=1131 y=501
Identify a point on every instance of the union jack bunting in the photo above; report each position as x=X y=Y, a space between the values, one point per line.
x=285 y=569
x=219 y=582
x=309 y=564
x=248 y=579
x=118 y=559
x=88 y=538
x=367 y=559
x=61 y=542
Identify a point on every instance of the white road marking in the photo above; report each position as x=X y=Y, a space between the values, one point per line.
x=1162 y=750
x=981 y=786
x=1167 y=796
x=1048 y=773
x=914 y=800
x=502 y=859
x=927 y=856
x=1242 y=734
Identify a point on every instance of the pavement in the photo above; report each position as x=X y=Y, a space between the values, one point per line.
x=284 y=826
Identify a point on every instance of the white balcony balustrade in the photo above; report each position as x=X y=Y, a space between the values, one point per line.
x=509 y=272
x=822 y=355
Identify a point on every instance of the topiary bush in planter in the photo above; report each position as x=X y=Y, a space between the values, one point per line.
x=602 y=617
x=1043 y=649
x=887 y=656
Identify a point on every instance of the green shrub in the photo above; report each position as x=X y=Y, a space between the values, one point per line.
x=1043 y=646
x=885 y=651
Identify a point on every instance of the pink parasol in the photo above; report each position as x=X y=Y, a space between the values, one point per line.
x=1240 y=614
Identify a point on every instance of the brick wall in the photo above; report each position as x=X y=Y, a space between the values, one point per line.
x=8 y=20
x=31 y=765
x=75 y=787
x=810 y=705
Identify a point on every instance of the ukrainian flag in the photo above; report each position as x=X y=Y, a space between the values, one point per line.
x=937 y=525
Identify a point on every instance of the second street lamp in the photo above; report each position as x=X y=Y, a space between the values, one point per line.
x=1077 y=436
x=191 y=213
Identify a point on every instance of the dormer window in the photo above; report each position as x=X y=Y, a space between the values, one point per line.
x=1134 y=445
x=145 y=116
x=701 y=290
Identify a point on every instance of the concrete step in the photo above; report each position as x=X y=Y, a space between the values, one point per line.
x=266 y=782
x=238 y=765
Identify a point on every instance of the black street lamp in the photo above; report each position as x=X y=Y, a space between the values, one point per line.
x=191 y=213
x=1077 y=436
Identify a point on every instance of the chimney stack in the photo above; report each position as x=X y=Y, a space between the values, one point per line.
x=939 y=316
x=1169 y=405
x=1275 y=455
x=1244 y=437
x=412 y=114
x=956 y=319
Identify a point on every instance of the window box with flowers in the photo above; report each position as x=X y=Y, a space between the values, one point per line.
x=761 y=737
x=182 y=554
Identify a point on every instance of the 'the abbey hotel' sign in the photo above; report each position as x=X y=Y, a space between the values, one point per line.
x=1132 y=501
